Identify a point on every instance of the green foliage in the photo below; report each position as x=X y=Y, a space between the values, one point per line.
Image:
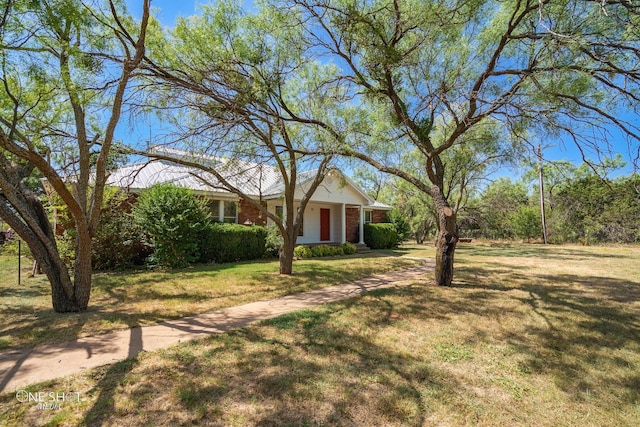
x=328 y=250
x=10 y=247
x=526 y=222
x=67 y=247
x=402 y=225
x=274 y=242
x=232 y=242
x=380 y=236
x=118 y=242
x=302 y=251
x=320 y=251
x=174 y=219
x=497 y=203
x=348 y=248
x=590 y=210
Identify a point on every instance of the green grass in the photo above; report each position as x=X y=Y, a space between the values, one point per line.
x=134 y=298
x=528 y=335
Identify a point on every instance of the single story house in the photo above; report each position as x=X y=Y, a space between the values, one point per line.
x=336 y=212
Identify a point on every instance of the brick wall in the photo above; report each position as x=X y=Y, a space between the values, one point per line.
x=378 y=216
x=249 y=212
x=352 y=219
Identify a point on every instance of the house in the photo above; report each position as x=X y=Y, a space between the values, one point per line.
x=335 y=213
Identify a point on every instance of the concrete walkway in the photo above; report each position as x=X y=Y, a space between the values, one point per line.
x=19 y=368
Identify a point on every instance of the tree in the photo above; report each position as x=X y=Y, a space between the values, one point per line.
x=497 y=203
x=248 y=100
x=591 y=209
x=59 y=108
x=438 y=71
x=525 y=222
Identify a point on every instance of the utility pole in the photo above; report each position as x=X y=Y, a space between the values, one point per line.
x=541 y=181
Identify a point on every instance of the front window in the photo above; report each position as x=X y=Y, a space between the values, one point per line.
x=367 y=217
x=230 y=212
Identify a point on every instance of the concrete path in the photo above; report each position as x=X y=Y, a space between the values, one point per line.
x=19 y=368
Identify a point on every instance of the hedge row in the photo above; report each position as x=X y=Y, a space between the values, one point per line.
x=232 y=242
x=381 y=236
x=304 y=251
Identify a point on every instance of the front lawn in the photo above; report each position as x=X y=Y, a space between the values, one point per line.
x=135 y=298
x=528 y=335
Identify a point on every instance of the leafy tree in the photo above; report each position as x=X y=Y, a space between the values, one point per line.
x=61 y=99
x=590 y=209
x=430 y=74
x=525 y=222
x=498 y=202
x=244 y=91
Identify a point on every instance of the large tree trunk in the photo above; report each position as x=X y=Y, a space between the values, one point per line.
x=447 y=240
x=286 y=257
x=30 y=222
x=82 y=269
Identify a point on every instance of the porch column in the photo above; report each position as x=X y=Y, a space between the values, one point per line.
x=361 y=226
x=343 y=222
x=221 y=211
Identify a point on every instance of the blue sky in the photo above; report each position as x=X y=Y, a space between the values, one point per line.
x=168 y=10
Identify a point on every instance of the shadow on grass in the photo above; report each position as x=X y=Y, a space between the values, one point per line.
x=527 y=250
x=107 y=387
x=112 y=307
x=587 y=326
x=307 y=368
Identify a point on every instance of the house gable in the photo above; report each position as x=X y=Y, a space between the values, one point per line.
x=335 y=188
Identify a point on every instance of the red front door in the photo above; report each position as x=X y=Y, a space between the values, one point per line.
x=325 y=224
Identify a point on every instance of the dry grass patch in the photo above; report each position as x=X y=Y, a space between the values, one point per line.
x=136 y=298
x=535 y=336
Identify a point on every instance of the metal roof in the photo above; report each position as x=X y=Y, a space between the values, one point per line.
x=253 y=179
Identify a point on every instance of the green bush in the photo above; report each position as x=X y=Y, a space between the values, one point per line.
x=174 y=219
x=119 y=241
x=337 y=251
x=302 y=251
x=526 y=222
x=318 y=251
x=275 y=242
x=348 y=248
x=10 y=247
x=326 y=250
x=400 y=222
x=380 y=236
x=232 y=242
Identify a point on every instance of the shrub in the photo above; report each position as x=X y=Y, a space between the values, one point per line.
x=119 y=241
x=380 y=236
x=232 y=242
x=274 y=242
x=403 y=228
x=348 y=248
x=317 y=251
x=10 y=247
x=526 y=222
x=174 y=219
x=326 y=250
x=302 y=251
